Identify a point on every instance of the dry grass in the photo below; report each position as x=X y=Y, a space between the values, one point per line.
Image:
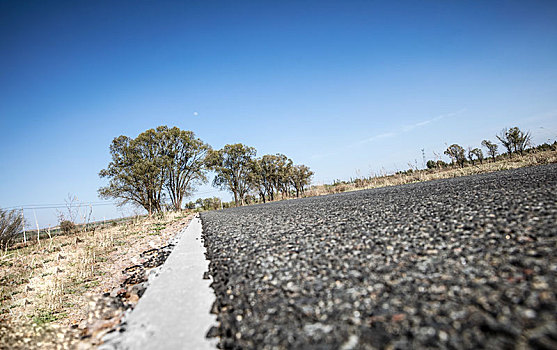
x=50 y=283
x=504 y=163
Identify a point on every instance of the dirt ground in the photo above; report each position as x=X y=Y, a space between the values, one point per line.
x=68 y=291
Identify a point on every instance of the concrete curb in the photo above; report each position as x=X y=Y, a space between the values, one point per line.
x=174 y=311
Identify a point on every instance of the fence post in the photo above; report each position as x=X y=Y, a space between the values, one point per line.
x=23 y=220
x=38 y=231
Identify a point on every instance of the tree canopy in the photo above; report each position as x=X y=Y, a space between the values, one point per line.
x=514 y=140
x=232 y=166
x=456 y=153
x=158 y=163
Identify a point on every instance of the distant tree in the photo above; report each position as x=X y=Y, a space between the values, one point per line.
x=505 y=141
x=282 y=174
x=478 y=154
x=190 y=205
x=257 y=179
x=11 y=225
x=300 y=177
x=184 y=156
x=491 y=148
x=470 y=155
x=457 y=154
x=213 y=203
x=441 y=164
x=431 y=164
x=521 y=139
x=514 y=140
x=232 y=167
x=270 y=174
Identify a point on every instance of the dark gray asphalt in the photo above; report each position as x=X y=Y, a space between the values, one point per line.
x=463 y=263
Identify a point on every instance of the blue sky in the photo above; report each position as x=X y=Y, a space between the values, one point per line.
x=347 y=87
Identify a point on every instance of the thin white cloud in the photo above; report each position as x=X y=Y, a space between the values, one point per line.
x=391 y=134
x=408 y=128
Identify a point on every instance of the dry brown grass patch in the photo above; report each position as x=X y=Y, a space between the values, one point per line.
x=50 y=283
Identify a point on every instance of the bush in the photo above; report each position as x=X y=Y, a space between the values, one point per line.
x=11 y=225
x=67 y=227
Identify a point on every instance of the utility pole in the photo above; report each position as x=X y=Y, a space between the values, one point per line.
x=423 y=157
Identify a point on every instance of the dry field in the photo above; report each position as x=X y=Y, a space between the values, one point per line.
x=488 y=166
x=48 y=289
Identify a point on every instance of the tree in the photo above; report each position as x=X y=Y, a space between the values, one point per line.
x=232 y=167
x=136 y=172
x=258 y=179
x=491 y=148
x=475 y=153
x=184 y=156
x=521 y=139
x=479 y=154
x=11 y=225
x=269 y=174
x=213 y=203
x=301 y=177
x=514 y=140
x=457 y=154
x=156 y=163
x=282 y=174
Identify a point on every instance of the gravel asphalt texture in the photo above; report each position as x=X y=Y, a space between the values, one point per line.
x=463 y=263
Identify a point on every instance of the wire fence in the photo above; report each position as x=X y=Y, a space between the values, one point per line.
x=79 y=213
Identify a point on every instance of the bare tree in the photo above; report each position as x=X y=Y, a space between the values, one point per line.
x=11 y=225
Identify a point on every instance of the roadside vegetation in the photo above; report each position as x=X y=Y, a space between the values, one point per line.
x=49 y=285
x=517 y=152
x=162 y=166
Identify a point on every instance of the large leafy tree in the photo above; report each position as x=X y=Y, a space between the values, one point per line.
x=268 y=174
x=136 y=171
x=258 y=179
x=281 y=174
x=300 y=177
x=184 y=157
x=156 y=163
x=232 y=166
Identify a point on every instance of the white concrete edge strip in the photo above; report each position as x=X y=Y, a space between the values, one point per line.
x=174 y=312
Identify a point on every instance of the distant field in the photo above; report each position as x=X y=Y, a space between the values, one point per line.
x=502 y=162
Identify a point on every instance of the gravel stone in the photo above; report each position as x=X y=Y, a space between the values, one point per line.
x=459 y=263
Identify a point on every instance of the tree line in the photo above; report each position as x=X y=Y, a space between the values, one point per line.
x=513 y=140
x=163 y=166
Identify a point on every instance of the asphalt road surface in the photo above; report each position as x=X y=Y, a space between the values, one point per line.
x=463 y=263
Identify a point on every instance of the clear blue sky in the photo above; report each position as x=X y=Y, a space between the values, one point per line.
x=345 y=87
